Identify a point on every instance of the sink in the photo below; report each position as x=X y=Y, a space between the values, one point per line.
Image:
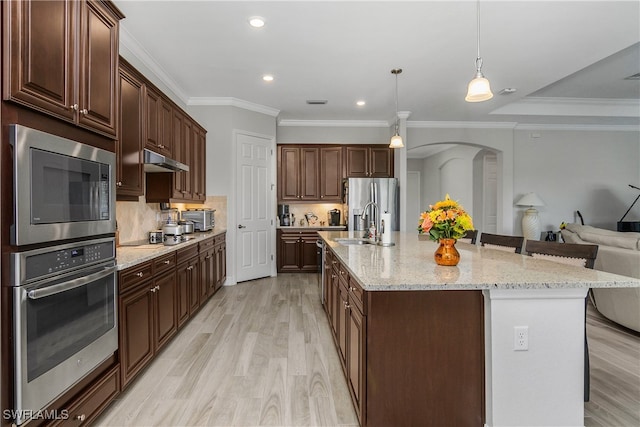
x=354 y=241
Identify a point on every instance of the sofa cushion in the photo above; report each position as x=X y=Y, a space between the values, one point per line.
x=601 y=236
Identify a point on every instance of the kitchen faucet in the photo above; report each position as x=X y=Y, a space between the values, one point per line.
x=376 y=218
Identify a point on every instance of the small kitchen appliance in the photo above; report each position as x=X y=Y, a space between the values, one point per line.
x=333 y=217
x=156 y=237
x=283 y=214
x=188 y=226
x=203 y=219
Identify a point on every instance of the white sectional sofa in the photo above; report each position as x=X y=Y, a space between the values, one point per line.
x=617 y=253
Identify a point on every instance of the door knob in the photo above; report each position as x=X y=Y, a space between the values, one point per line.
x=242 y=226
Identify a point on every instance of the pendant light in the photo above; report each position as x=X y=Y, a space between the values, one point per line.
x=479 y=88
x=396 y=139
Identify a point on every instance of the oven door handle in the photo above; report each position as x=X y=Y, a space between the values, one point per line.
x=71 y=284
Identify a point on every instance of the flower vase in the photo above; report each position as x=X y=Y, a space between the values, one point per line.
x=447 y=254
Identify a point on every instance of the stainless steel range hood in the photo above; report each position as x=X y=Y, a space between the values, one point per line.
x=154 y=162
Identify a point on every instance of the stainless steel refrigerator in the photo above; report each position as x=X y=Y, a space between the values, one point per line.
x=358 y=192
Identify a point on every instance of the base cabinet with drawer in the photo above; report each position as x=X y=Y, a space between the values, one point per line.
x=297 y=251
x=147 y=312
x=400 y=351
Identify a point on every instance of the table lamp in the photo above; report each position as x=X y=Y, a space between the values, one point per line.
x=530 y=223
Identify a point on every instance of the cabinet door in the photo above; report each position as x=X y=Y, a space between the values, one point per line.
x=205 y=277
x=39 y=50
x=381 y=162
x=335 y=303
x=221 y=265
x=357 y=161
x=98 y=68
x=136 y=330
x=193 y=269
x=183 y=293
x=330 y=175
x=343 y=313
x=199 y=166
x=288 y=252
x=187 y=157
x=326 y=286
x=129 y=145
x=356 y=358
x=166 y=321
x=151 y=113
x=308 y=252
x=289 y=168
x=308 y=178
x=165 y=128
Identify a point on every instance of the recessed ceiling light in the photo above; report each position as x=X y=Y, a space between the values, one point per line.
x=360 y=103
x=256 y=22
x=267 y=78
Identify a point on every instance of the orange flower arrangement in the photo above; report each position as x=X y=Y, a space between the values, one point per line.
x=446 y=219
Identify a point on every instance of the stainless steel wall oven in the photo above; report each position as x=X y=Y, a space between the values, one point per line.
x=63 y=189
x=65 y=318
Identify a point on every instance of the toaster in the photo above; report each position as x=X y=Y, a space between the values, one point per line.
x=203 y=219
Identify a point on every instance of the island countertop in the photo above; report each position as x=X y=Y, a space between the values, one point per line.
x=409 y=265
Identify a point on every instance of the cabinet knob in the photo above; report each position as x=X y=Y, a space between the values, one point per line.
x=190 y=268
x=84 y=111
x=119 y=184
x=153 y=290
x=74 y=107
x=352 y=289
x=167 y=262
x=81 y=417
x=140 y=274
x=157 y=288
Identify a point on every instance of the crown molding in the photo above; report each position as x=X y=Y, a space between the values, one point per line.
x=461 y=125
x=234 y=102
x=591 y=128
x=335 y=123
x=130 y=43
x=590 y=107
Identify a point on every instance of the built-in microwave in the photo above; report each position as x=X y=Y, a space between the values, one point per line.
x=62 y=189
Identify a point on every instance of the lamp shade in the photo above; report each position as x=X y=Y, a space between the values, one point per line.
x=530 y=199
x=396 y=141
x=479 y=89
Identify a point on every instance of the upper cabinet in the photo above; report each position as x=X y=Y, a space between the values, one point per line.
x=314 y=173
x=369 y=161
x=129 y=179
x=62 y=60
x=158 y=123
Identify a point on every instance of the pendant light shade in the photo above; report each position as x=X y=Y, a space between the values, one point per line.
x=479 y=88
x=396 y=139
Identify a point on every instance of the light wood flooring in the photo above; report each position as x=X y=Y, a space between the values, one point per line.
x=261 y=354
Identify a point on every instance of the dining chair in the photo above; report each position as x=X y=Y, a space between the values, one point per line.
x=502 y=242
x=572 y=254
x=470 y=237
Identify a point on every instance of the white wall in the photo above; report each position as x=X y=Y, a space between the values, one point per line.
x=587 y=171
x=222 y=123
x=332 y=135
x=498 y=140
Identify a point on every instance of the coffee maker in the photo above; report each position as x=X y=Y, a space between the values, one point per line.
x=283 y=214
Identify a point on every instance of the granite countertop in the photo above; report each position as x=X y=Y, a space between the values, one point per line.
x=133 y=253
x=409 y=265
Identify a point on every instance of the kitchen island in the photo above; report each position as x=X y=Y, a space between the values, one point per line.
x=423 y=344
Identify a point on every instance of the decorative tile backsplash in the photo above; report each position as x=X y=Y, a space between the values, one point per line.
x=136 y=219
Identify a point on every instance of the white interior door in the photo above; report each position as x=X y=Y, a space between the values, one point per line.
x=253 y=207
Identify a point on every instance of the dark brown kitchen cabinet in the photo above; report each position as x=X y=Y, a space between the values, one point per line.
x=368 y=161
x=136 y=318
x=400 y=349
x=62 y=60
x=129 y=171
x=207 y=266
x=189 y=278
x=158 y=122
x=199 y=165
x=330 y=176
x=297 y=251
x=220 y=253
x=299 y=168
x=147 y=313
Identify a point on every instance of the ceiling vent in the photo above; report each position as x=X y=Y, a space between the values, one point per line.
x=316 y=101
x=635 y=76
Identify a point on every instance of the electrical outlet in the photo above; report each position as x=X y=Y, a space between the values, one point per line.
x=520 y=338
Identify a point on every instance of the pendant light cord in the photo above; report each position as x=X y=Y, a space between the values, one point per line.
x=396 y=103
x=478 y=26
